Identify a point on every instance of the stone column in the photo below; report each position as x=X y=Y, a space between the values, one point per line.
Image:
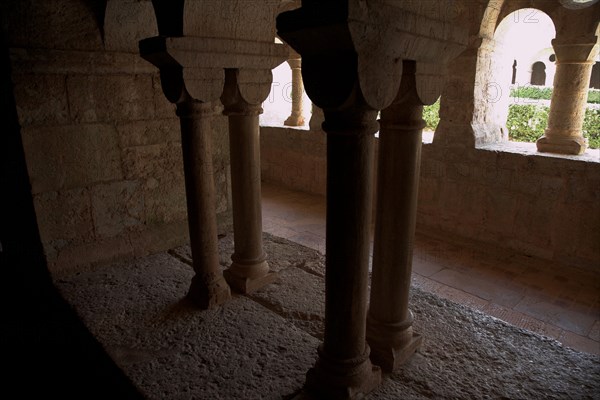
x=297 y=117
x=208 y=288
x=574 y=62
x=249 y=269
x=343 y=369
x=389 y=322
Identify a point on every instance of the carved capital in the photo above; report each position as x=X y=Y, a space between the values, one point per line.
x=575 y=52
x=180 y=81
x=244 y=92
x=357 y=120
x=406 y=111
x=360 y=46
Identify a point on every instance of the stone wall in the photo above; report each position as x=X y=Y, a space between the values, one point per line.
x=101 y=141
x=508 y=195
x=505 y=194
x=294 y=158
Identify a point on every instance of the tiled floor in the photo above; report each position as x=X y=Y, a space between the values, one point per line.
x=550 y=299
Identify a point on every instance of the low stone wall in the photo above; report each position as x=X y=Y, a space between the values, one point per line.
x=294 y=158
x=507 y=195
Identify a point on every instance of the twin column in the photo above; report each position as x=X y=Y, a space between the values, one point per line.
x=249 y=269
x=344 y=368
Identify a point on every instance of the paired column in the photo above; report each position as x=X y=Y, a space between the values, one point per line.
x=297 y=117
x=343 y=369
x=389 y=322
x=574 y=63
x=249 y=269
x=208 y=288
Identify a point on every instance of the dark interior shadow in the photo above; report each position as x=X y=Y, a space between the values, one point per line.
x=45 y=348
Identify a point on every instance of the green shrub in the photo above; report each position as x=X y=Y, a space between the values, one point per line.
x=545 y=93
x=431 y=115
x=591 y=127
x=527 y=123
x=531 y=92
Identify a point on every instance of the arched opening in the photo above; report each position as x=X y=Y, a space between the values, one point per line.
x=278 y=106
x=523 y=37
x=538 y=74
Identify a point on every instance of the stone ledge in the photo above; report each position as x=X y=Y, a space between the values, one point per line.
x=530 y=149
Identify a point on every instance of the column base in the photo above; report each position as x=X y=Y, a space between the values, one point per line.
x=248 y=278
x=390 y=357
x=294 y=121
x=568 y=145
x=208 y=292
x=342 y=379
x=392 y=344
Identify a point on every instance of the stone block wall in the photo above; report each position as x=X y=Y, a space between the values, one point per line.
x=101 y=141
x=509 y=196
x=294 y=158
x=505 y=195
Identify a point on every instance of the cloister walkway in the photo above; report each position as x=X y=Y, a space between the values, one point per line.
x=550 y=299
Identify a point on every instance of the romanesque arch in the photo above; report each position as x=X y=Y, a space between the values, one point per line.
x=538 y=74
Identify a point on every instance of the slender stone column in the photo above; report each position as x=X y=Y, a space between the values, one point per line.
x=249 y=269
x=389 y=322
x=574 y=64
x=343 y=369
x=208 y=288
x=297 y=117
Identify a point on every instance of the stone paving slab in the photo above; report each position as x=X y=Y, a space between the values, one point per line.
x=171 y=350
x=299 y=297
x=255 y=347
x=280 y=254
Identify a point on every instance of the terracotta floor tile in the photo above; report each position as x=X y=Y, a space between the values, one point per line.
x=426 y=284
x=542 y=296
x=460 y=297
x=484 y=289
x=579 y=342
x=595 y=331
x=566 y=319
x=522 y=320
x=425 y=267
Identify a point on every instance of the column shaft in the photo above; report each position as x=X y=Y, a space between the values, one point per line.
x=297 y=117
x=249 y=269
x=343 y=369
x=389 y=323
x=569 y=99
x=208 y=288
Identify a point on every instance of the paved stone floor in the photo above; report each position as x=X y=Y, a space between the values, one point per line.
x=547 y=298
x=260 y=345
